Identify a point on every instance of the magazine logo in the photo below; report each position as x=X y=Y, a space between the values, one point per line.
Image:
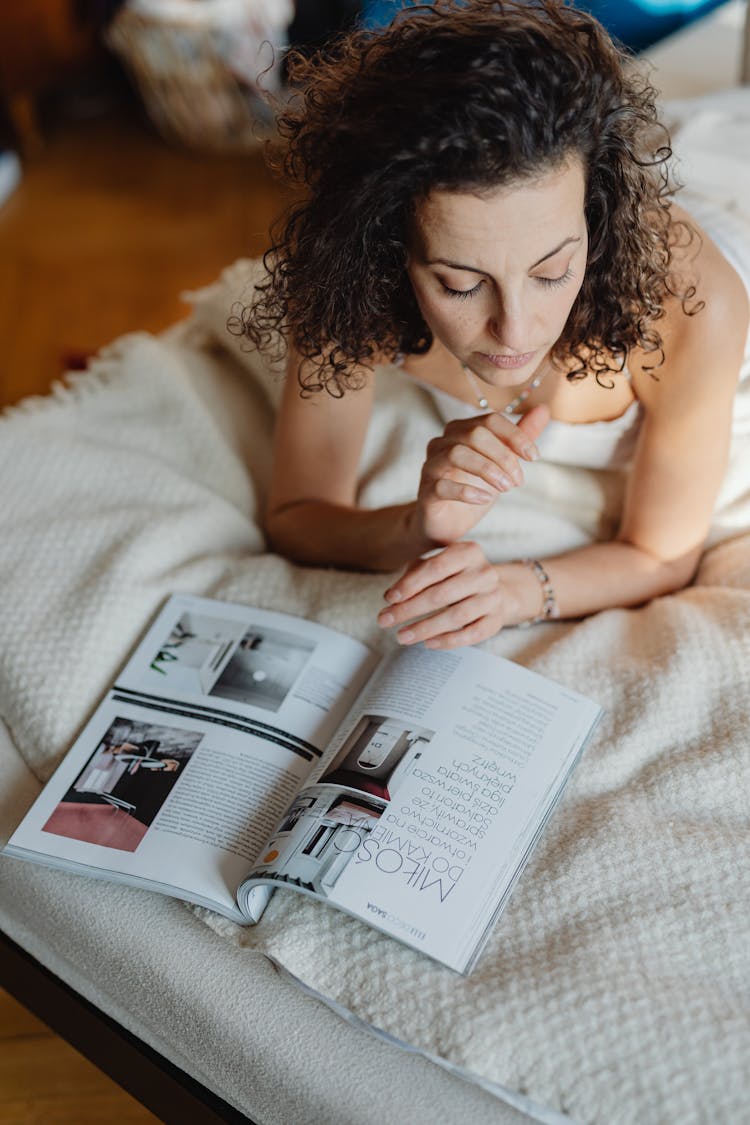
x=396 y=922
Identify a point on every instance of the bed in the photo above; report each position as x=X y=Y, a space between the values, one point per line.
x=616 y=986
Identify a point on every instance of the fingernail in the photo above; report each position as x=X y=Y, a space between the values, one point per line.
x=476 y=496
x=392 y=596
x=500 y=478
x=386 y=619
x=531 y=452
x=517 y=476
x=404 y=638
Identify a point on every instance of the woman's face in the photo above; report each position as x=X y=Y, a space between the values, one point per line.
x=496 y=275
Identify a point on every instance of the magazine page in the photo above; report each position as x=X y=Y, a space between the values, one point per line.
x=186 y=766
x=428 y=803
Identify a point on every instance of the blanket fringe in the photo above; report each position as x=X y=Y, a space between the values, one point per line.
x=73 y=387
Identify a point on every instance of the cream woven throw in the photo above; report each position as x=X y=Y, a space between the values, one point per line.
x=619 y=975
x=616 y=986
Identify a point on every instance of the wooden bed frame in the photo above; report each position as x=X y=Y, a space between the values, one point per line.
x=168 y=1092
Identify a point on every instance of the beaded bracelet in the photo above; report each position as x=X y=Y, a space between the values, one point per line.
x=550 y=608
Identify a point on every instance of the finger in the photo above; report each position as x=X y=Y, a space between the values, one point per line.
x=533 y=423
x=440 y=596
x=443 y=488
x=472 y=634
x=486 y=434
x=453 y=619
x=492 y=435
x=513 y=436
x=481 y=439
x=435 y=568
x=482 y=470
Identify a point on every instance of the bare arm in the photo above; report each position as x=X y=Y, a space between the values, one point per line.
x=680 y=460
x=312 y=515
x=672 y=487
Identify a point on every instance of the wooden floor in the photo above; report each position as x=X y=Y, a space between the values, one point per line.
x=108 y=225
x=43 y=1081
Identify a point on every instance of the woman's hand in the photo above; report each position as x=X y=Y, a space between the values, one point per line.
x=460 y=597
x=474 y=461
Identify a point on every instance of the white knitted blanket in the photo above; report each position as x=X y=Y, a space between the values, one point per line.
x=616 y=986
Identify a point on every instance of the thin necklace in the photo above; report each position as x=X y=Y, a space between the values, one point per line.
x=512 y=406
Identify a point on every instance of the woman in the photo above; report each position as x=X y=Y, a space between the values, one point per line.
x=486 y=202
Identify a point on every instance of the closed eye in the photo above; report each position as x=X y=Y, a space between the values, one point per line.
x=462 y=294
x=551 y=282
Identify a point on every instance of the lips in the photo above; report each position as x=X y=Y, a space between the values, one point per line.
x=509 y=362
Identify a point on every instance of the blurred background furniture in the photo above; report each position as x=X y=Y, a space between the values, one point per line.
x=44 y=43
x=201 y=65
x=637 y=24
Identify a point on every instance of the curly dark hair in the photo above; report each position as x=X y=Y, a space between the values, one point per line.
x=466 y=96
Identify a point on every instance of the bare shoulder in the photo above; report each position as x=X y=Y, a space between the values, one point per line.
x=703 y=332
x=319 y=437
x=698 y=261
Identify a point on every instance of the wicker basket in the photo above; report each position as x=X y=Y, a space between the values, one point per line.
x=189 y=89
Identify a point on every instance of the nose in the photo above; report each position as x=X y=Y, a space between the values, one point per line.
x=509 y=325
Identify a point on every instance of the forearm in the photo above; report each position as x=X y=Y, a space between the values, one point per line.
x=320 y=533
x=601 y=576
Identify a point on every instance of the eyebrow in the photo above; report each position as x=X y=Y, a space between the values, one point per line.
x=473 y=269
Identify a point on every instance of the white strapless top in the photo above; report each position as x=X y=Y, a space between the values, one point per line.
x=590 y=445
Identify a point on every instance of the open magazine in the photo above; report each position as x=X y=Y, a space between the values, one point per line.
x=242 y=750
